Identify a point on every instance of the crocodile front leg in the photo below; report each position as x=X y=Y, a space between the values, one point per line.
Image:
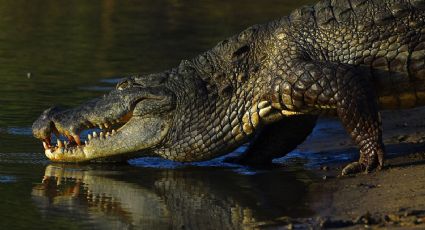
x=317 y=86
x=276 y=140
x=358 y=110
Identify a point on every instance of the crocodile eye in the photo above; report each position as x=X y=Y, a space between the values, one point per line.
x=122 y=85
x=127 y=83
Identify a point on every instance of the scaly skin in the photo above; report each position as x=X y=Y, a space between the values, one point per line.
x=343 y=57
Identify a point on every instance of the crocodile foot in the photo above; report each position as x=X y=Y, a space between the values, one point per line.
x=366 y=164
x=357 y=167
x=353 y=168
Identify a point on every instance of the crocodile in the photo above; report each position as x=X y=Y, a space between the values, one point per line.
x=266 y=85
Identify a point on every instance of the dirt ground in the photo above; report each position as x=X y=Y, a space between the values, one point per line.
x=393 y=198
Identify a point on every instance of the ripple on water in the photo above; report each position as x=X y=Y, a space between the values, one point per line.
x=24 y=131
x=112 y=80
x=23 y=158
x=97 y=88
x=7 y=179
x=311 y=160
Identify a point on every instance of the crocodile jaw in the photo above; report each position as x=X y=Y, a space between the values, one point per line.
x=137 y=134
x=131 y=119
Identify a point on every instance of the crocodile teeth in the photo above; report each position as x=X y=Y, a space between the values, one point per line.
x=107 y=134
x=100 y=126
x=94 y=134
x=86 y=142
x=45 y=145
x=102 y=135
x=60 y=144
x=59 y=181
x=106 y=125
x=113 y=131
x=89 y=137
x=77 y=139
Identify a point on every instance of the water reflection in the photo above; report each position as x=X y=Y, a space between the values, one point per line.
x=125 y=197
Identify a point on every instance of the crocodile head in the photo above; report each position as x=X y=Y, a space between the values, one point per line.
x=134 y=117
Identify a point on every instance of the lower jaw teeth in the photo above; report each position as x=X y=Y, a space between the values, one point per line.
x=65 y=146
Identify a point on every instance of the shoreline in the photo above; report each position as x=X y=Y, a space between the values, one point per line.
x=390 y=198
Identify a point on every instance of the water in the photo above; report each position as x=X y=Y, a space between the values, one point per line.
x=66 y=52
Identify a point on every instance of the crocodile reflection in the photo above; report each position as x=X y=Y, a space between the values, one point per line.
x=126 y=196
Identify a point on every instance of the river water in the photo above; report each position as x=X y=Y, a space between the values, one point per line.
x=66 y=52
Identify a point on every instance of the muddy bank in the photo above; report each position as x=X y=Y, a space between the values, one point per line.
x=391 y=198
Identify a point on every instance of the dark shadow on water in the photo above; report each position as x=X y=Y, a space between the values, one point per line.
x=110 y=197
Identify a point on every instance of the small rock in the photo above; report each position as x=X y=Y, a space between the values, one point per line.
x=392 y=218
x=365 y=219
x=414 y=212
x=366 y=185
x=402 y=138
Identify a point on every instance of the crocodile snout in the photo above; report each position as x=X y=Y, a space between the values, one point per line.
x=44 y=126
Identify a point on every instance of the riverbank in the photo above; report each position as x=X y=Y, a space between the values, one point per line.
x=391 y=198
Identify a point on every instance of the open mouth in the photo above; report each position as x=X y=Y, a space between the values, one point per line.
x=121 y=125
x=86 y=134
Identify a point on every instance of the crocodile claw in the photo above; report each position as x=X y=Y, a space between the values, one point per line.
x=353 y=168
x=357 y=167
